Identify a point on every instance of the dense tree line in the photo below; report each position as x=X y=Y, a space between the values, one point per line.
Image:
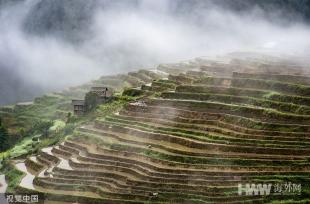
x=4 y=137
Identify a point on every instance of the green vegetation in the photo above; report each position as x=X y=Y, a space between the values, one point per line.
x=164 y=84
x=13 y=176
x=28 y=120
x=24 y=147
x=305 y=201
x=58 y=125
x=288 y=98
x=255 y=124
x=43 y=127
x=4 y=137
x=296 y=79
x=29 y=145
x=282 y=87
x=193 y=145
x=132 y=92
x=194 y=132
x=234 y=109
x=229 y=162
x=113 y=107
x=232 y=99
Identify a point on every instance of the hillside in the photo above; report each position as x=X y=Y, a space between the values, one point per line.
x=188 y=132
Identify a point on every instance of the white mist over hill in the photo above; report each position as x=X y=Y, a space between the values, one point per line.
x=49 y=45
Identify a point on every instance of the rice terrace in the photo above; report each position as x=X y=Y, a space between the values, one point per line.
x=227 y=127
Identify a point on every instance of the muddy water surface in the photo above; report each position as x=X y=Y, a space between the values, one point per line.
x=64 y=164
x=3 y=184
x=27 y=181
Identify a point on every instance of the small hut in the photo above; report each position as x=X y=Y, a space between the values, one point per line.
x=78 y=107
x=101 y=91
x=104 y=94
x=97 y=95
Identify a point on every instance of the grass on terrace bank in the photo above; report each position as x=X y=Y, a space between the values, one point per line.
x=12 y=176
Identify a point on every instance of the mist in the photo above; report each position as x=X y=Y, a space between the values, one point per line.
x=50 y=45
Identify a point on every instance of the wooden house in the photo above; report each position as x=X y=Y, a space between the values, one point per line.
x=78 y=107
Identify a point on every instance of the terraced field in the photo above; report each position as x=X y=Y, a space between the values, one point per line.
x=191 y=138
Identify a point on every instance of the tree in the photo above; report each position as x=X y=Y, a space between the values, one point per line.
x=4 y=137
x=91 y=100
x=43 y=126
x=69 y=117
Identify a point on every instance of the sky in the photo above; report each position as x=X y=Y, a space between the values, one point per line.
x=50 y=45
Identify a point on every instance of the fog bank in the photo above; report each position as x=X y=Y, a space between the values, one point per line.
x=49 y=45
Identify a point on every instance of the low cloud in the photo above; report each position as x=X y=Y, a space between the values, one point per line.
x=121 y=37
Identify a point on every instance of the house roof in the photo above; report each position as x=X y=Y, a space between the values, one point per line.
x=78 y=102
x=99 y=88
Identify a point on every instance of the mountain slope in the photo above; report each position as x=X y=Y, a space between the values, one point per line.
x=191 y=138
